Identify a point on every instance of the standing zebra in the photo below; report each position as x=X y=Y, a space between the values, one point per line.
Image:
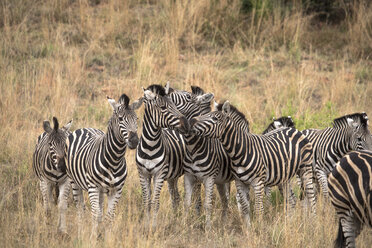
x=95 y=160
x=350 y=188
x=258 y=160
x=349 y=132
x=206 y=160
x=48 y=164
x=161 y=150
x=281 y=122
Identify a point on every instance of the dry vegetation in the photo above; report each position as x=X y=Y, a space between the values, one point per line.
x=62 y=57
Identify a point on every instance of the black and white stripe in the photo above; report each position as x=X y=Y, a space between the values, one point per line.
x=349 y=133
x=258 y=160
x=95 y=160
x=207 y=161
x=161 y=149
x=350 y=188
x=48 y=164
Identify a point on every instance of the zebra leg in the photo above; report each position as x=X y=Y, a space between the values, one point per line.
x=173 y=190
x=77 y=194
x=112 y=200
x=287 y=192
x=46 y=193
x=208 y=187
x=158 y=184
x=258 y=186
x=306 y=177
x=189 y=181
x=224 y=199
x=268 y=191
x=197 y=194
x=348 y=230
x=94 y=199
x=322 y=179
x=64 y=190
x=146 y=195
x=243 y=194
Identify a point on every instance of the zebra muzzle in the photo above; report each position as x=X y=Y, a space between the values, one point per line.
x=132 y=140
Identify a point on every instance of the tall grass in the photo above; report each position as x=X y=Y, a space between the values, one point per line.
x=62 y=57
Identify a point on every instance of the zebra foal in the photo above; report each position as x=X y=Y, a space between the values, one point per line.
x=350 y=191
x=95 y=160
x=48 y=165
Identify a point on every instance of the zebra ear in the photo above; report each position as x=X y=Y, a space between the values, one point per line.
x=277 y=124
x=112 y=102
x=166 y=87
x=352 y=123
x=208 y=97
x=226 y=107
x=56 y=124
x=46 y=126
x=148 y=94
x=215 y=105
x=67 y=126
x=136 y=104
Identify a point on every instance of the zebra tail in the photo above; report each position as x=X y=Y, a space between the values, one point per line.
x=340 y=239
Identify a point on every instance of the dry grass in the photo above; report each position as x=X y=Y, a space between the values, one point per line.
x=61 y=57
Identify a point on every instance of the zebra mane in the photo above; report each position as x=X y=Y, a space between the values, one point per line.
x=361 y=118
x=124 y=99
x=196 y=90
x=157 y=89
x=235 y=112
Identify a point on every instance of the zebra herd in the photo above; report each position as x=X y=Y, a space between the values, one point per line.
x=181 y=135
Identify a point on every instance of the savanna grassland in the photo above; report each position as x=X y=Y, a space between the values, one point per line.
x=269 y=58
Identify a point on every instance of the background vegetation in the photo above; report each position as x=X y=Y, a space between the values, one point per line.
x=308 y=59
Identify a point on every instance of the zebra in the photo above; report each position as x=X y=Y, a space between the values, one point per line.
x=349 y=132
x=284 y=121
x=48 y=165
x=206 y=160
x=350 y=191
x=95 y=160
x=258 y=160
x=161 y=149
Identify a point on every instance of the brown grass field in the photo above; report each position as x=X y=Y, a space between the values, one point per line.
x=62 y=57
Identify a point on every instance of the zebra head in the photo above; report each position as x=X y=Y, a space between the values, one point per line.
x=161 y=111
x=284 y=121
x=56 y=142
x=212 y=125
x=360 y=136
x=192 y=104
x=124 y=120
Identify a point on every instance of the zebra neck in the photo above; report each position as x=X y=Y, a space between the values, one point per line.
x=114 y=147
x=151 y=133
x=342 y=138
x=191 y=140
x=234 y=137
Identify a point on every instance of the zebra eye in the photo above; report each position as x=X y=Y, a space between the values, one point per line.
x=163 y=107
x=214 y=118
x=121 y=118
x=359 y=139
